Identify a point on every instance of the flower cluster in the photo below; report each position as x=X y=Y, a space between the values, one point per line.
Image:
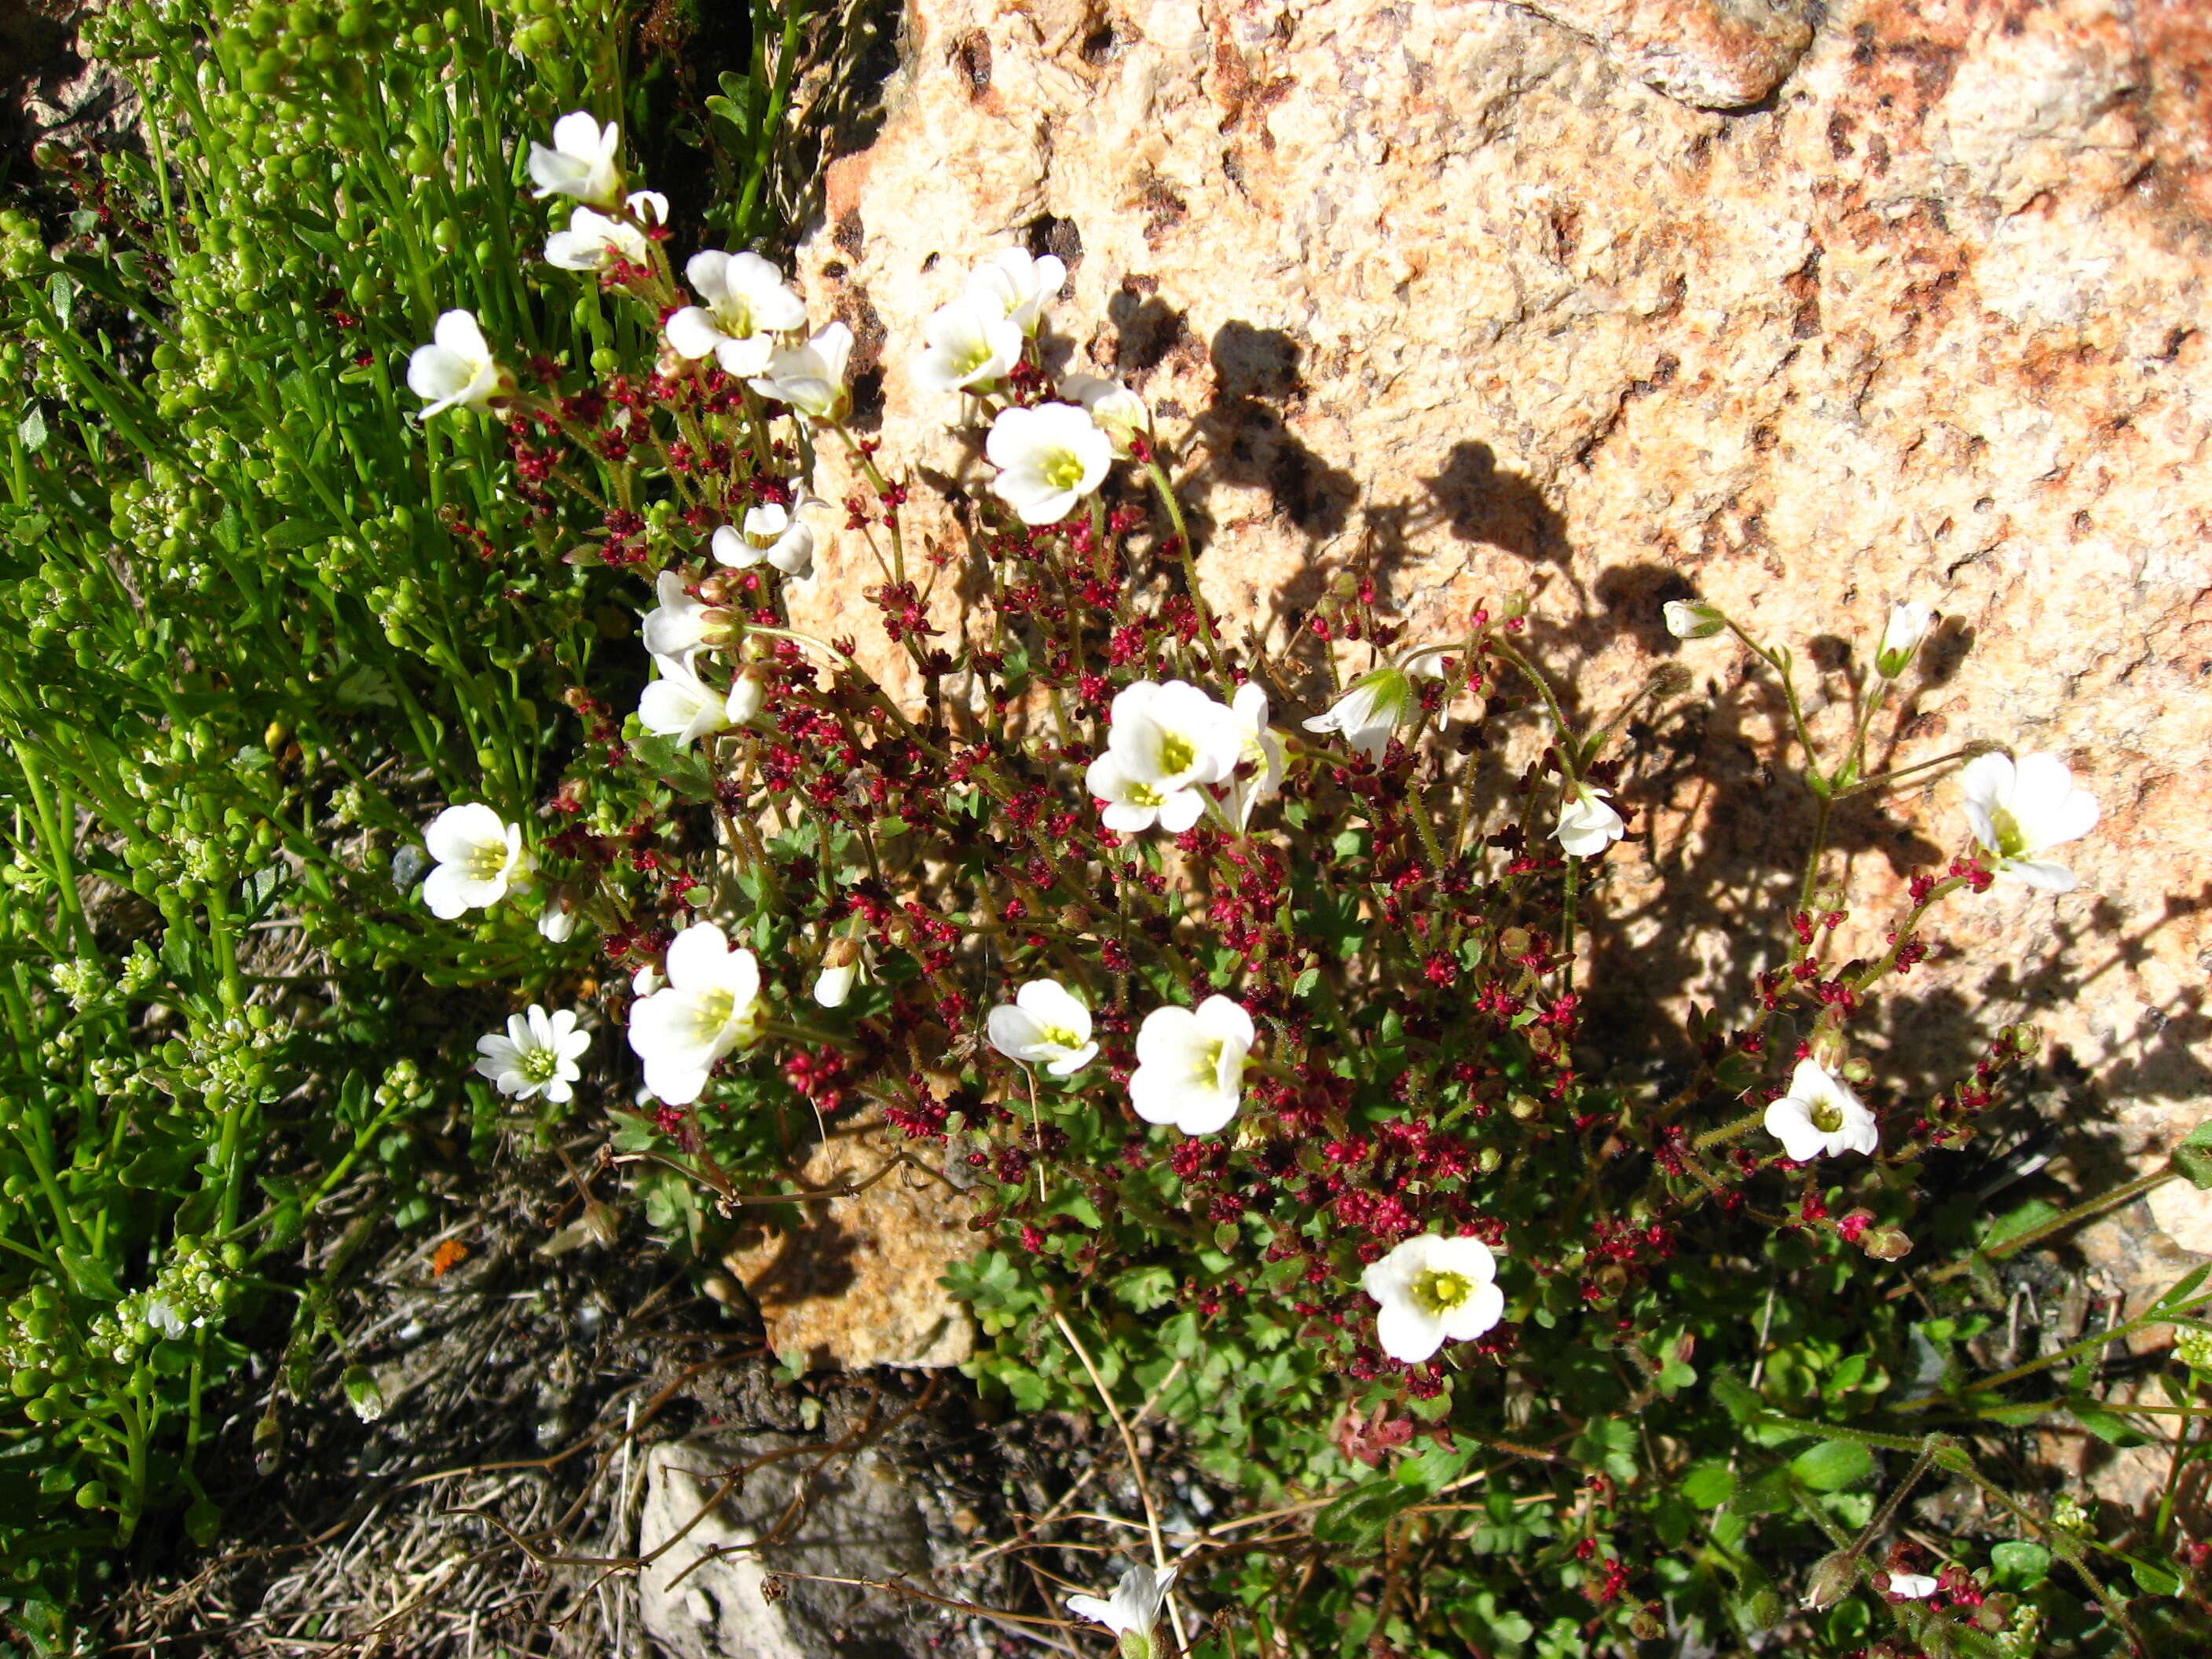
x=1238 y=976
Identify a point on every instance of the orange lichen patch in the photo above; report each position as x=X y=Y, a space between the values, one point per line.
x=446 y=1257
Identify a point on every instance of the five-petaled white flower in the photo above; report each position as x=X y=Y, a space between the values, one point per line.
x=810 y=377
x=1048 y=459
x=581 y=162
x=682 y=706
x=1190 y=1065
x=1693 y=619
x=1586 y=825
x=456 y=367
x=1900 y=637
x=1821 y=1116
x=770 y=531
x=747 y=306
x=1263 y=751
x=706 y=1006
x=1016 y=285
x=1433 y=1290
x=971 y=347
x=594 y=241
x=1175 y=734
x=480 y=855
x=2019 y=810
x=1165 y=741
x=1113 y=408
x=1373 y=705
x=680 y=624
x=1133 y=1612
x=1043 y=1025
x=538 y=1055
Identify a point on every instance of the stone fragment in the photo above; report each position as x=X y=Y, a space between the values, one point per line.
x=1438 y=287
x=857 y=1283
x=842 y=1517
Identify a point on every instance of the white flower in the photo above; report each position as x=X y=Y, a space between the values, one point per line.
x=706 y=1008
x=1164 y=740
x=594 y=241
x=1433 y=1290
x=1913 y=1586
x=1820 y=1117
x=1174 y=734
x=1262 y=749
x=1694 y=619
x=680 y=624
x=1048 y=457
x=748 y=695
x=810 y=377
x=538 y=1055
x=1900 y=637
x=771 y=531
x=1586 y=825
x=1015 y=285
x=1044 y=1025
x=162 y=1314
x=746 y=305
x=1134 y=1612
x=556 y=922
x=1373 y=705
x=480 y=855
x=1190 y=1065
x=2020 y=810
x=456 y=367
x=969 y=347
x=1113 y=408
x=645 y=981
x=841 y=967
x=581 y=162
x=682 y=706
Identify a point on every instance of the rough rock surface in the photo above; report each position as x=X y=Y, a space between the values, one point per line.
x=1493 y=303
x=856 y=1283
x=47 y=90
x=839 y=1518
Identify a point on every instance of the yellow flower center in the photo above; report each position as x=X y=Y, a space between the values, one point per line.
x=1059 y=1036
x=1439 y=1290
x=1827 y=1116
x=1206 y=1066
x=1062 y=469
x=709 y=1014
x=1143 y=795
x=735 y=314
x=2012 y=840
x=1177 y=752
x=485 y=862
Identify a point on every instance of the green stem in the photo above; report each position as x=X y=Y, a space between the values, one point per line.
x=1728 y=1133
x=2083 y=1212
x=2155 y=1316
x=1188 y=558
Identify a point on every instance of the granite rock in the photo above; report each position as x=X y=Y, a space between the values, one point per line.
x=737 y=1565
x=855 y=1283
x=1486 y=300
